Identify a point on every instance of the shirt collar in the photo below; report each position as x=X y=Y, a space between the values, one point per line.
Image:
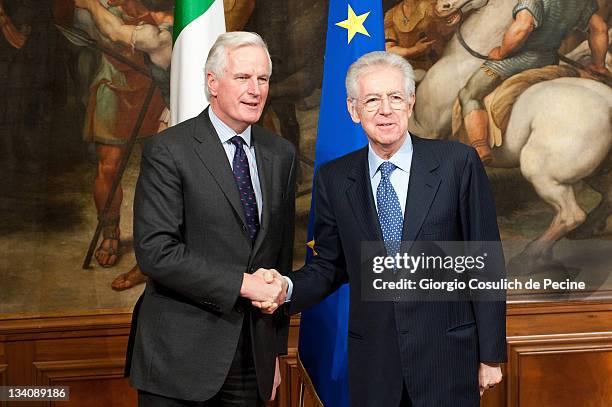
x=225 y=132
x=402 y=158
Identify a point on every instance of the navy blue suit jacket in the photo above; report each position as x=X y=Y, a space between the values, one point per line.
x=434 y=347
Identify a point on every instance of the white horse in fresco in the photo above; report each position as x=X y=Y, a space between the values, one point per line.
x=559 y=132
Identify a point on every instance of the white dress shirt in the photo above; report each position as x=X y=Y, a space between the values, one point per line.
x=225 y=133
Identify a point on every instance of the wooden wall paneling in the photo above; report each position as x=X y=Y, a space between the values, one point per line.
x=560 y=370
x=90 y=347
x=3 y=365
x=83 y=351
x=293 y=382
x=19 y=358
x=287 y=391
x=558 y=318
x=3 y=381
x=560 y=355
x=285 y=395
x=36 y=326
x=93 y=382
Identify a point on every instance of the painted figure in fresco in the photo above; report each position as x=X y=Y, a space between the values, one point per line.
x=116 y=95
x=558 y=132
x=11 y=34
x=604 y=9
x=413 y=30
x=155 y=40
x=237 y=13
x=531 y=41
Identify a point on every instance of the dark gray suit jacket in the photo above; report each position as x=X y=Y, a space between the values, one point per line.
x=433 y=347
x=191 y=240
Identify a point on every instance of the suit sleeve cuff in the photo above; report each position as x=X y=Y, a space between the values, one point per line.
x=289 y=288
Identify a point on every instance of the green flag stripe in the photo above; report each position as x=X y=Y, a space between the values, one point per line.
x=185 y=11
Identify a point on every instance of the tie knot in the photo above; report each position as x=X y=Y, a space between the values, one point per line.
x=386 y=169
x=238 y=141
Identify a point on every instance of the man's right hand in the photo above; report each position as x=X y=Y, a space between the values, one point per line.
x=267 y=289
x=270 y=276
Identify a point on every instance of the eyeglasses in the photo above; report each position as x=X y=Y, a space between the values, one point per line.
x=373 y=102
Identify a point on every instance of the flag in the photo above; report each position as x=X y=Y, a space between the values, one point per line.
x=197 y=23
x=354 y=27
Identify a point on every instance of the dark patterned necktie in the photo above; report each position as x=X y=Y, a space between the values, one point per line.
x=242 y=175
x=389 y=210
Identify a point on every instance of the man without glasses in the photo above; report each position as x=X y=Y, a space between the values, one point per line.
x=210 y=193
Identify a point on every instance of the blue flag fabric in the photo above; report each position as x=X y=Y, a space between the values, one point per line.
x=354 y=28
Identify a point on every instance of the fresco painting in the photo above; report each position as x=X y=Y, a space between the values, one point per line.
x=75 y=75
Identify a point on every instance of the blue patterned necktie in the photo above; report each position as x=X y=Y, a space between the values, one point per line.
x=242 y=175
x=389 y=210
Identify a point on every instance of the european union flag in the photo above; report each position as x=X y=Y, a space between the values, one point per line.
x=354 y=28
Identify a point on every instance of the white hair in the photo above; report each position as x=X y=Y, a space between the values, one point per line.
x=378 y=59
x=217 y=56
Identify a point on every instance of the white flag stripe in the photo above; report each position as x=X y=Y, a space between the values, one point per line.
x=189 y=54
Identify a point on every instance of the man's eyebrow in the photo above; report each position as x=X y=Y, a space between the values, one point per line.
x=391 y=92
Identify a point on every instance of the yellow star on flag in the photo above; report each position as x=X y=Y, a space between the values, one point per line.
x=354 y=24
x=311 y=244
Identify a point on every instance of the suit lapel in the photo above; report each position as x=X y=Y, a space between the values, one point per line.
x=214 y=158
x=359 y=197
x=422 y=188
x=264 y=169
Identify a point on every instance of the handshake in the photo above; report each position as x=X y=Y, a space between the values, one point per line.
x=266 y=288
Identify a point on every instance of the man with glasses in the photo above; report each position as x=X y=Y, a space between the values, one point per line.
x=402 y=187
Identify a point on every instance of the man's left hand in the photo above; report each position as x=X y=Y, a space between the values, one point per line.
x=277 y=380
x=488 y=376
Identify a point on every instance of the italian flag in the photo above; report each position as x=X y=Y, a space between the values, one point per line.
x=197 y=23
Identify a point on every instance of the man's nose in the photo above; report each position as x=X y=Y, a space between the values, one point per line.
x=385 y=107
x=253 y=87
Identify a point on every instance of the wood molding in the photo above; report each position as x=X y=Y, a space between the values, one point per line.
x=3 y=380
x=522 y=347
x=287 y=390
x=551 y=344
x=50 y=373
x=532 y=308
x=85 y=378
x=36 y=326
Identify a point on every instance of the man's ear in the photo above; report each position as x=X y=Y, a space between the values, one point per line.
x=351 y=105
x=410 y=104
x=212 y=83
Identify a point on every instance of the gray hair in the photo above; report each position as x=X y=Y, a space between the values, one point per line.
x=217 y=57
x=378 y=59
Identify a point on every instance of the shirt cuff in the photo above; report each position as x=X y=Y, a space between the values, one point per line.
x=289 y=289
